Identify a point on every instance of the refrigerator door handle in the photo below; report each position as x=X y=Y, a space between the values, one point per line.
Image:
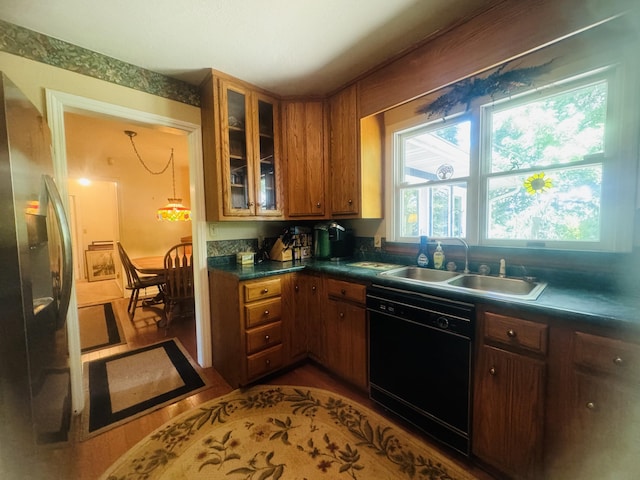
x=67 y=261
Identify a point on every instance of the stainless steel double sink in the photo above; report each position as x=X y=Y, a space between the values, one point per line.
x=504 y=287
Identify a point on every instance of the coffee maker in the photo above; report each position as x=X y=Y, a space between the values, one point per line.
x=332 y=241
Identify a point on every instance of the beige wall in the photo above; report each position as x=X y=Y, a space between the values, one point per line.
x=98 y=149
x=34 y=77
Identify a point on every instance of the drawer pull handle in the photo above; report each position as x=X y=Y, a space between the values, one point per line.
x=511 y=333
x=265 y=290
x=267 y=338
x=618 y=361
x=343 y=291
x=266 y=313
x=493 y=371
x=591 y=405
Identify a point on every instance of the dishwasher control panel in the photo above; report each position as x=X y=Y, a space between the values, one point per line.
x=442 y=314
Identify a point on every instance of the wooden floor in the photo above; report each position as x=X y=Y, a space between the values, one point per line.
x=89 y=459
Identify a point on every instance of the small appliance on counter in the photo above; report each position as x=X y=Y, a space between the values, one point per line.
x=332 y=241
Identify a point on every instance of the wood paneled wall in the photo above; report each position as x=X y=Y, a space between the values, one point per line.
x=504 y=32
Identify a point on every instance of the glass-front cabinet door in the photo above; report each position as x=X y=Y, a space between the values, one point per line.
x=267 y=170
x=250 y=152
x=236 y=150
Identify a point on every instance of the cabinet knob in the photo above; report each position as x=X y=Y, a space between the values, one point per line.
x=266 y=312
x=267 y=338
x=493 y=371
x=343 y=291
x=591 y=405
x=350 y=202
x=296 y=288
x=341 y=314
x=511 y=333
x=265 y=290
x=618 y=361
x=267 y=362
x=314 y=288
x=318 y=204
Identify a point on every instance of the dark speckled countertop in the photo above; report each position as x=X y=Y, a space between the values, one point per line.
x=601 y=307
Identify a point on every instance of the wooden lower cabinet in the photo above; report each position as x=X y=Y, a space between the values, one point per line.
x=309 y=292
x=509 y=395
x=596 y=430
x=509 y=412
x=249 y=326
x=260 y=326
x=346 y=331
x=298 y=328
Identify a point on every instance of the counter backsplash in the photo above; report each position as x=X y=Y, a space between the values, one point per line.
x=618 y=273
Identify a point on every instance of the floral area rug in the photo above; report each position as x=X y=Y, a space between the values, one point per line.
x=284 y=432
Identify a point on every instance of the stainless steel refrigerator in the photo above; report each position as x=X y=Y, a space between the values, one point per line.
x=35 y=287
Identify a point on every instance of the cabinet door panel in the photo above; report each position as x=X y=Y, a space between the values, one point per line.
x=236 y=150
x=306 y=166
x=603 y=432
x=316 y=318
x=267 y=159
x=344 y=158
x=509 y=411
x=347 y=341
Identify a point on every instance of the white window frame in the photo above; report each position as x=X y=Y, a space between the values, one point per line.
x=619 y=184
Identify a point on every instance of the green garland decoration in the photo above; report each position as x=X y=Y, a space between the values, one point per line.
x=465 y=91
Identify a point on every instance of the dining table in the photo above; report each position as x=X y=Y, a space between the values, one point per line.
x=149 y=265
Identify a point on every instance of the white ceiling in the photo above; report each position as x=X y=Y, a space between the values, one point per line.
x=289 y=47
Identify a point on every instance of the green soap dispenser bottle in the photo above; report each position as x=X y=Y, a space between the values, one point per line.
x=438 y=258
x=423 y=253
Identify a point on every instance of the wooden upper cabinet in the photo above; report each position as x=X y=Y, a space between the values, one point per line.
x=241 y=150
x=305 y=153
x=355 y=158
x=344 y=158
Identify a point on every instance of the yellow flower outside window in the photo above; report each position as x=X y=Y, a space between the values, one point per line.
x=537 y=183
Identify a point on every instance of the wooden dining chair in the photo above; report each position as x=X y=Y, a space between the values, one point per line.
x=178 y=276
x=137 y=282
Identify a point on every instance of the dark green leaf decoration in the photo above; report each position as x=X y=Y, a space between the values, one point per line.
x=498 y=82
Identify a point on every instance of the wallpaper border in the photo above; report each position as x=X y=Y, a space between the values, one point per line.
x=42 y=48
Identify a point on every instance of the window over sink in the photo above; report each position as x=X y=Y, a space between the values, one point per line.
x=553 y=165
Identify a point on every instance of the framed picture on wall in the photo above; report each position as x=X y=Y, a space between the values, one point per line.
x=100 y=265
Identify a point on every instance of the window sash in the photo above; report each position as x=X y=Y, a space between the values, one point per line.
x=617 y=204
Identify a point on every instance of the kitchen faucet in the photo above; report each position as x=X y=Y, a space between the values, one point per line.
x=466 y=250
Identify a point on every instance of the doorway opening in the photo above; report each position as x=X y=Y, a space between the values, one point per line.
x=59 y=103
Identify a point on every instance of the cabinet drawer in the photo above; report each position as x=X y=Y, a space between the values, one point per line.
x=516 y=332
x=263 y=289
x=264 y=337
x=262 y=312
x=354 y=292
x=608 y=355
x=264 y=362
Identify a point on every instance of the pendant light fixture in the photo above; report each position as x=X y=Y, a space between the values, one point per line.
x=174 y=210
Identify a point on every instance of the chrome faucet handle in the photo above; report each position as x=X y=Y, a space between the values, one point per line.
x=526 y=276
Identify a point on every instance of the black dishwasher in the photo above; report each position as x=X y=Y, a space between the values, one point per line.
x=420 y=361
